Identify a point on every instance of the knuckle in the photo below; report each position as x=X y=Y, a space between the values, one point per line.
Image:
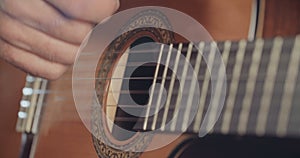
x=52 y=57
x=55 y=26
x=46 y=50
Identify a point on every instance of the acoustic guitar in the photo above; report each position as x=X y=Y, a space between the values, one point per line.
x=260 y=114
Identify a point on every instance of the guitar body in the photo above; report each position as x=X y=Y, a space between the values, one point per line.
x=62 y=133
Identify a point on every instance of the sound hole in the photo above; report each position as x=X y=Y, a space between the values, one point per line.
x=138 y=93
x=139 y=88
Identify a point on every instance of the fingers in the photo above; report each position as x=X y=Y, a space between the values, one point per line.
x=42 y=16
x=87 y=10
x=38 y=37
x=36 y=42
x=30 y=62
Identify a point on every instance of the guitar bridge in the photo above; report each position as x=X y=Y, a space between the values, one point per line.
x=31 y=105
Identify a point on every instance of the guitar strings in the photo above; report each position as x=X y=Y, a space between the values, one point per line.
x=207 y=46
x=88 y=115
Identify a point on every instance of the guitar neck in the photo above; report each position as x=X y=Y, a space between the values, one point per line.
x=261 y=98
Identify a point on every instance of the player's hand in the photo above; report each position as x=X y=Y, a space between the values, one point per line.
x=42 y=37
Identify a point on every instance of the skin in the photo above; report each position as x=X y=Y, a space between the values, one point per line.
x=42 y=37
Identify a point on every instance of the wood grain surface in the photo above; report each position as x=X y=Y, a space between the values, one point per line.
x=62 y=133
